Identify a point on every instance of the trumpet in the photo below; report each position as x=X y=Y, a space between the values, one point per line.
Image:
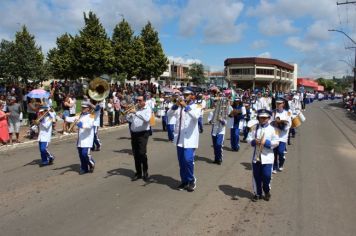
x=130 y=109
x=39 y=119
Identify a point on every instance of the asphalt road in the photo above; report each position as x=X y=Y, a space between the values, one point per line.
x=315 y=195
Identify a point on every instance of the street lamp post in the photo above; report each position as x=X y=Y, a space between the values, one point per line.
x=354 y=69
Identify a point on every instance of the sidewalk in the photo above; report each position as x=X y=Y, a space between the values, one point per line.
x=26 y=141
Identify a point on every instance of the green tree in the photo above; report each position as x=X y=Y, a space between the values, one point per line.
x=155 y=62
x=196 y=71
x=61 y=59
x=92 y=49
x=122 y=47
x=7 y=60
x=28 y=58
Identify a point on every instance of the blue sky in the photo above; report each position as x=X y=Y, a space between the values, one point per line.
x=208 y=31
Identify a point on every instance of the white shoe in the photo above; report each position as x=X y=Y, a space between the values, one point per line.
x=65 y=133
x=274 y=171
x=280 y=169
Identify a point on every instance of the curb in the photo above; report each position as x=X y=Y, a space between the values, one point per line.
x=54 y=139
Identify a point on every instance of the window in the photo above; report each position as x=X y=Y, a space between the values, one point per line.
x=242 y=71
x=264 y=71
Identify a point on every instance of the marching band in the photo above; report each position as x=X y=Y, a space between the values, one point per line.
x=267 y=131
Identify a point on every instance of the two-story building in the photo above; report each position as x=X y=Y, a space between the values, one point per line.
x=176 y=75
x=258 y=73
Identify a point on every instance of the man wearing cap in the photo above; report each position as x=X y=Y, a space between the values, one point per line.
x=140 y=132
x=44 y=123
x=263 y=138
x=237 y=114
x=281 y=120
x=186 y=138
x=85 y=138
x=96 y=146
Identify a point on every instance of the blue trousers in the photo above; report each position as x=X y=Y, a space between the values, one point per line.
x=246 y=130
x=218 y=142
x=164 y=122
x=279 y=156
x=46 y=156
x=86 y=160
x=186 y=164
x=200 y=124
x=96 y=141
x=261 y=177
x=235 y=139
x=170 y=129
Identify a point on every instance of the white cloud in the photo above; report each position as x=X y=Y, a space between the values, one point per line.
x=184 y=60
x=50 y=19
x=258 y=44
x=271 y=26
x=265 y=55
x=318 y=31
x=300 y=45
x=217 y=20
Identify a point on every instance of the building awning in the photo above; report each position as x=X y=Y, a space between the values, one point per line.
x=307 y=83
x=320 y=88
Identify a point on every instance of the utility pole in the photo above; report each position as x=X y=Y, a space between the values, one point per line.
x=354 y=69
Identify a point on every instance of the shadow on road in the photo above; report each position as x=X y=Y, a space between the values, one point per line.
x=207 y=160
x=70 y=168
x=248 y=166
x=235 y=193
x=164 y=180
x=125 y=150
x=128 y=138
x=120 y=171
x=160 y=139
x=33 y=163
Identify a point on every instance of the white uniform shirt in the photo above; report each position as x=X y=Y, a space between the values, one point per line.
x=45 y=127
x=283 y=115
x=86 y=133
x=218 y=128
x=186 y=132
x=140 y=121
x=97 y=113
x=271 y=137
x=172 y=119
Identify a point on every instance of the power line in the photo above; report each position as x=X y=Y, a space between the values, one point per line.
x=347 y=2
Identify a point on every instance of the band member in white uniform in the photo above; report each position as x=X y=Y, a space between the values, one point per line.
x=281 y=120
x=85 y=138
x=218 y=134
x=171 y=120
x=44 y=135
x=186 y=138
x=97 y=113
x=201 y=105
x=140 y=127
x=263 y=138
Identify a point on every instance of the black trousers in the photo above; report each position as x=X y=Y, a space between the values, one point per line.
x=139 y=149
x=117 y=118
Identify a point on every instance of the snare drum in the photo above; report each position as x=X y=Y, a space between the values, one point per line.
x=296 y=122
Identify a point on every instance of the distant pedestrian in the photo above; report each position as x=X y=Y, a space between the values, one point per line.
x=14 y=111
x=4 y=129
